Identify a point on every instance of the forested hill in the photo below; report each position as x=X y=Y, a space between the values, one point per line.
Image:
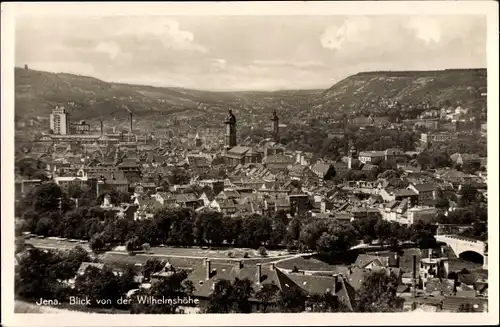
x=37 y=93
x=373 y=91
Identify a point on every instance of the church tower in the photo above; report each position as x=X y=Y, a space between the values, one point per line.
x=353 y=155
x=230 y=130
x=275 y=127
x=197 y=141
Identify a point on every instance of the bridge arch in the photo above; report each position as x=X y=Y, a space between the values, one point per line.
x=472 y=256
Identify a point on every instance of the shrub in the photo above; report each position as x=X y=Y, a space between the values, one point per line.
x=262 y=251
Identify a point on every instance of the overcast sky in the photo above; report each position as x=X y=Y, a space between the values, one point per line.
x=247 y=52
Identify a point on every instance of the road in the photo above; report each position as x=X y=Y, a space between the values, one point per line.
x=161 y=252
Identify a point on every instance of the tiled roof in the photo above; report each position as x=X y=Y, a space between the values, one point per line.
x=203 y=286
x=321 y=169
x=364 y=259
x=239 y=150
x=368 y=167
x=311 y=264
x=357 y=276
x=405 y=192
x=427 y=187
x=372 y=154
x=185 y=197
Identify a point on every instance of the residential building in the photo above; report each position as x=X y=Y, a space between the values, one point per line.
x=427 y=193
x=323 y=171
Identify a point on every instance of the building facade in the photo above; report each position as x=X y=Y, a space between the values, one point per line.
x=60 y=121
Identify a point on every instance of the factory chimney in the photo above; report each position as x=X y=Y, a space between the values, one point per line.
x=130 y=117
x=102 y=129
x=414 y=276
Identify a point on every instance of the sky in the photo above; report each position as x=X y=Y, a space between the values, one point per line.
x=247 y=52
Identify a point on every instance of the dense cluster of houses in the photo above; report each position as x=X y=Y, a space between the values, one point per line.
x=266 y=179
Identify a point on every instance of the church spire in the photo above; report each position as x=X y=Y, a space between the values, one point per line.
x=275 y=127
x=230 y=122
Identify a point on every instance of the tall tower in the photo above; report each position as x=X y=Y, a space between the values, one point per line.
x=197 y=140
x=275 y=127
x=130 y=127
x=352 y=155
x=230 y=130
x=60 y=121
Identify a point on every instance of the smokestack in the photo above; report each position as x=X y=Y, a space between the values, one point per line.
x=102 y=129
x=130 y=117
x=259 y=273
x=335 y=282
x=414 y=281
x=208 y=266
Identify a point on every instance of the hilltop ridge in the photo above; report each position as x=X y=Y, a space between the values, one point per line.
x=37 y=92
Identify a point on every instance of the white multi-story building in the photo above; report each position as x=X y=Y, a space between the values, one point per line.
x=60 y=121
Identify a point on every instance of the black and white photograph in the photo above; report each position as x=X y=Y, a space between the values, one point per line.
x=259 y=162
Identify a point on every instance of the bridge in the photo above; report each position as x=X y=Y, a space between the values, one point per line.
x=465 y=247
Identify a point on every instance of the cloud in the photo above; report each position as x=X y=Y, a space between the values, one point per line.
x=284 y=63
x=248 y=52
x=351 y=30
x=166 y=30
x=425 y=29
x=110 y=48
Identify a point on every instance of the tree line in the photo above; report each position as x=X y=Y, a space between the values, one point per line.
x=48 y=211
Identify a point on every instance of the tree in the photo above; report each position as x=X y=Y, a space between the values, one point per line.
x=293 y=231
x=262 y=251
x=267 y=294
x=292 y=299
x=30 y=168
x=279 y=231
x=423 y=235
x=152 y=266
x=231 y=297
x=220 y=301
x=70 y=261
x=178 y=176
x=378 y=293
x=131 y=244
x=146 y=247
x=388 y=174
x=45 y=227
x=36 y=275
x=468 y=194
x=443 y=203
x=326 y=302
x=383 y=230
x=47 y=197
x=337 y=238
x=97 y=243
x=96 y=284
x=311 y=232
x=126 y=281
x=242 y=291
